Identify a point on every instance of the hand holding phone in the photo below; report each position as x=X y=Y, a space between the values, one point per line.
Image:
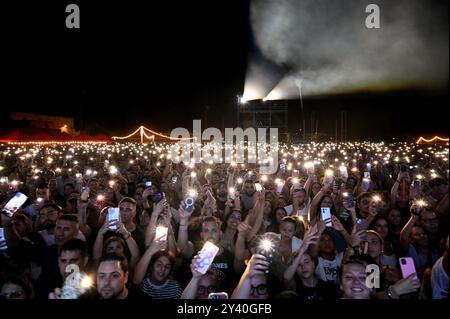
x=258 y=187
x=84 y=194
x=218 y=295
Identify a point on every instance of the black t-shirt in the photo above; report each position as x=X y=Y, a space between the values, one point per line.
x=139 y=237
x=322 y=291
x=223 y=267
x=133 y=294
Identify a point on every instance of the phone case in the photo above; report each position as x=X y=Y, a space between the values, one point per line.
x=161 y=233
x=407 y=266
x=113 y=215
x=326 y=216
x=206 y=257
x=15 y=203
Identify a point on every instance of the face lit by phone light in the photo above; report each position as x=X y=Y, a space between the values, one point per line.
x=127 y=212
x=68 y=257
x=160 y=270
x=353 y=283
x=211 y=232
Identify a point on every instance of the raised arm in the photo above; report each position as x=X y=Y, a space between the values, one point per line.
x=256 y=266
x=141 y=268
x=407 y=229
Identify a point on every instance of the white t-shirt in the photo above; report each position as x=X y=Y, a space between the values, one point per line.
x=328 y=270
x=439 y=281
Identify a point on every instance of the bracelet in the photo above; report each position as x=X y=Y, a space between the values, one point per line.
x=389 y=293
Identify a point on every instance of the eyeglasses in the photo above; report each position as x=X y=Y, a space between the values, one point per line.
x=12 y=295
x=260 y=289
x=203 y=289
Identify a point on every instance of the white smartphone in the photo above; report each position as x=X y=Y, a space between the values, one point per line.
x=326 y=216
x=258 y=187
x=280 y=186
x=161 y=233
x=14 y=204
x=206 y=257
x=113 y=216
x=367 y=175
x=4 y=180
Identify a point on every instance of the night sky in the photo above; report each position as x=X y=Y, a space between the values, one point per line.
x=162 y=65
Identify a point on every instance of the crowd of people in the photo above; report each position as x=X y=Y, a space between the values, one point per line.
x=387 y=206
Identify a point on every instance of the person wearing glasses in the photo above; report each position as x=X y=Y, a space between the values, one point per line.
x=414 y=242
x=200 y=286
x=254 y=282
x=15 y=287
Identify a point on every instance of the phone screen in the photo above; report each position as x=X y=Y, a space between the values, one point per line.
x=148 y=184
x=288 y=209
x=258 y=187
x=113 y=215
x=3 y=245
x=206 y=257
x=14 y=204
x=218 y=295
x=161 y=233
x=326 y=216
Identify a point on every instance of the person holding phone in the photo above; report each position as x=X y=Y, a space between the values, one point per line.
x=414 y=242
x=200 y=285
x=127 y=214
x=253 y=283
x=153 y=273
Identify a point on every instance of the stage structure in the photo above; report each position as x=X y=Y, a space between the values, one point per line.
x=264 y=114
x=141 y=130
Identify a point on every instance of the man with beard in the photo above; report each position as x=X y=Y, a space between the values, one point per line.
x=221 y=196
x=48 y=215
x=248 y=198
x=112 y=279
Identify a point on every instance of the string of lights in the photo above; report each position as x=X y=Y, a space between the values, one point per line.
x=422 y=139
x=142 y=129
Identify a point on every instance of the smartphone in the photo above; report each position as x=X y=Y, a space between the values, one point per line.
x=282 y=167
x=4 y=180
x=148 y=184
x=232 y=193
x=3 y=244
x=326 y=216
x=189 y=203
x=403 y=168
x=280 y=186
x=206 y=257
x=417 y=184
x=407 y=266
x=349 y=200
x=84 y=193
x=367 y=175
x=174 y=179
x=113 y=215
x=218 y=295
x=338 y=183
x=258 y=187
x=14 y=204
x=266 y=249
x=158 y=197
x=161 y=233
x=288 y=209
